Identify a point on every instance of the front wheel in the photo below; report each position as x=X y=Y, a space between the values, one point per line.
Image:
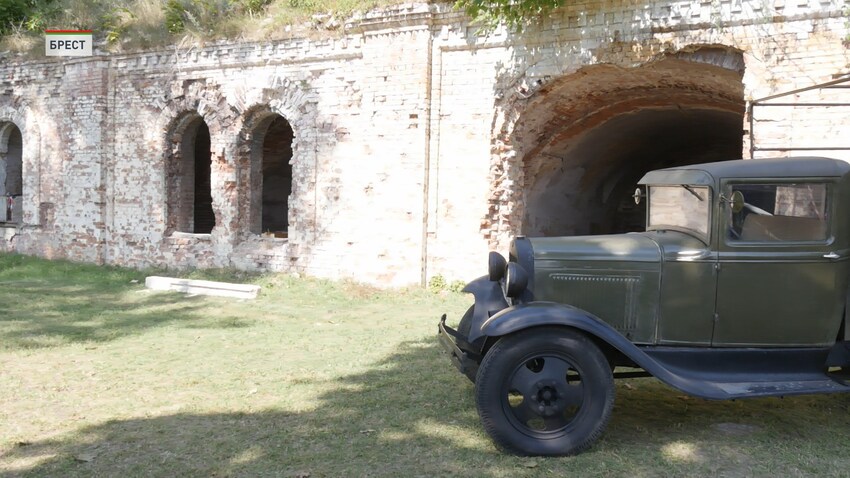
x=544 y=391
x=463 y=328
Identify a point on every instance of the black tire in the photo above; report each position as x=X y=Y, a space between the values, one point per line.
x=545 y=391
x=463 y=327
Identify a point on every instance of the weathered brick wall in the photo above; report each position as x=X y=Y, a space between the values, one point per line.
x=412 y=133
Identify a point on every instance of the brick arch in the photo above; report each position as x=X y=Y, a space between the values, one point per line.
x=541 y=123
x=196 y=101
x=180 y=177
x=14 y=111
x=253 y=168
x=299 y=108
x=203 y=97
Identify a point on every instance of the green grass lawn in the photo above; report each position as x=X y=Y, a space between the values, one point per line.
x=99 y=377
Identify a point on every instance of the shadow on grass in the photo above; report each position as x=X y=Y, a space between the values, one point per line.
x=413 y=415
x=389 y=421
x=45 y=317
x=48 y=303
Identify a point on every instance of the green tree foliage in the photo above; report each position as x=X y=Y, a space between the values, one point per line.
x=12 y=12
x=110 y=18
x=27 y=14
x=135 y=24
x=515 y=14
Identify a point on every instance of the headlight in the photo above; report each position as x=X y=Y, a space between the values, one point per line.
x=496 y=266
x=515 y=279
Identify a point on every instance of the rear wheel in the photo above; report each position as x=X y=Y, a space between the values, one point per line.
x=545 y=391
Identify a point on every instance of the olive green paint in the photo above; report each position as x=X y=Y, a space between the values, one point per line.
x=674 y=287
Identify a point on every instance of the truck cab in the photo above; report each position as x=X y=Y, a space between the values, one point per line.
x=737 y=288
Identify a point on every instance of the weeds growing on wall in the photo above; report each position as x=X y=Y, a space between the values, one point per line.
x=141 y=24
x=515 y=14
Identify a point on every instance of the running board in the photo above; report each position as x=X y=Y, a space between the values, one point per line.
x=782 y=388
x=725 y=374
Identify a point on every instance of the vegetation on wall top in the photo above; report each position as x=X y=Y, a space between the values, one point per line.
x=141 y=24
x=515 y=14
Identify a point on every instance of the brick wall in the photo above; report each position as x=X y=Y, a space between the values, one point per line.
x=413 y=135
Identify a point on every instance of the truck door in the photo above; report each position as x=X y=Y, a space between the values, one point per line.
x=780 y=279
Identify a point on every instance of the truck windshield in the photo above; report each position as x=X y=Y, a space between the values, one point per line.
x=681 y=207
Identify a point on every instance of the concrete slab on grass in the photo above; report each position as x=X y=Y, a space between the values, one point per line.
x=203 y=287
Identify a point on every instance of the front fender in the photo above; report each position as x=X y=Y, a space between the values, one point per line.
x=489 y=300
x=534 y=314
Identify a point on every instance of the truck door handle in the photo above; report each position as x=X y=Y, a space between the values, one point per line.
x=831 y=255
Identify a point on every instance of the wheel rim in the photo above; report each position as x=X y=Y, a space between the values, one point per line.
x=544 y=395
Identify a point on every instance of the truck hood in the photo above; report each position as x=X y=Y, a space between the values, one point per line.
x=632 y=247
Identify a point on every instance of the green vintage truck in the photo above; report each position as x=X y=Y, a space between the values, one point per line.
x=738 y=288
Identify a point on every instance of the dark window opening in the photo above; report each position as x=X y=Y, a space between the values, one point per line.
x=204 y=218
x=189 y=198
x=277 y=176
x=271 y=176
x=11 y=175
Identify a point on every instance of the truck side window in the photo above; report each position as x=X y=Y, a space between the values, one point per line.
x=780 y=212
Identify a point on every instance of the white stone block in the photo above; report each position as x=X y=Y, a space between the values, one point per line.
x=203 y=287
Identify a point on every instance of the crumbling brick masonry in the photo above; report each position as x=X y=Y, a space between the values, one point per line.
x=405 y=147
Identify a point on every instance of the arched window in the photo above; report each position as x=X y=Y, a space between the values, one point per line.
x=189 y=188
x=11 y=173
x=204 y=218
x=271 y=176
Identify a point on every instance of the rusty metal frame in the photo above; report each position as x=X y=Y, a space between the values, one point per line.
x=840 y=83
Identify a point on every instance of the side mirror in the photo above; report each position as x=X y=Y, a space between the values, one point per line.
x=736 y=202
x=638 y=195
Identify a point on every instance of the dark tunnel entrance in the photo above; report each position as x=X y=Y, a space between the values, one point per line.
x=610 y=126
x=597 y=177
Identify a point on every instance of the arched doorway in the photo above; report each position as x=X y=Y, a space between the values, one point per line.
x=585 y=140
